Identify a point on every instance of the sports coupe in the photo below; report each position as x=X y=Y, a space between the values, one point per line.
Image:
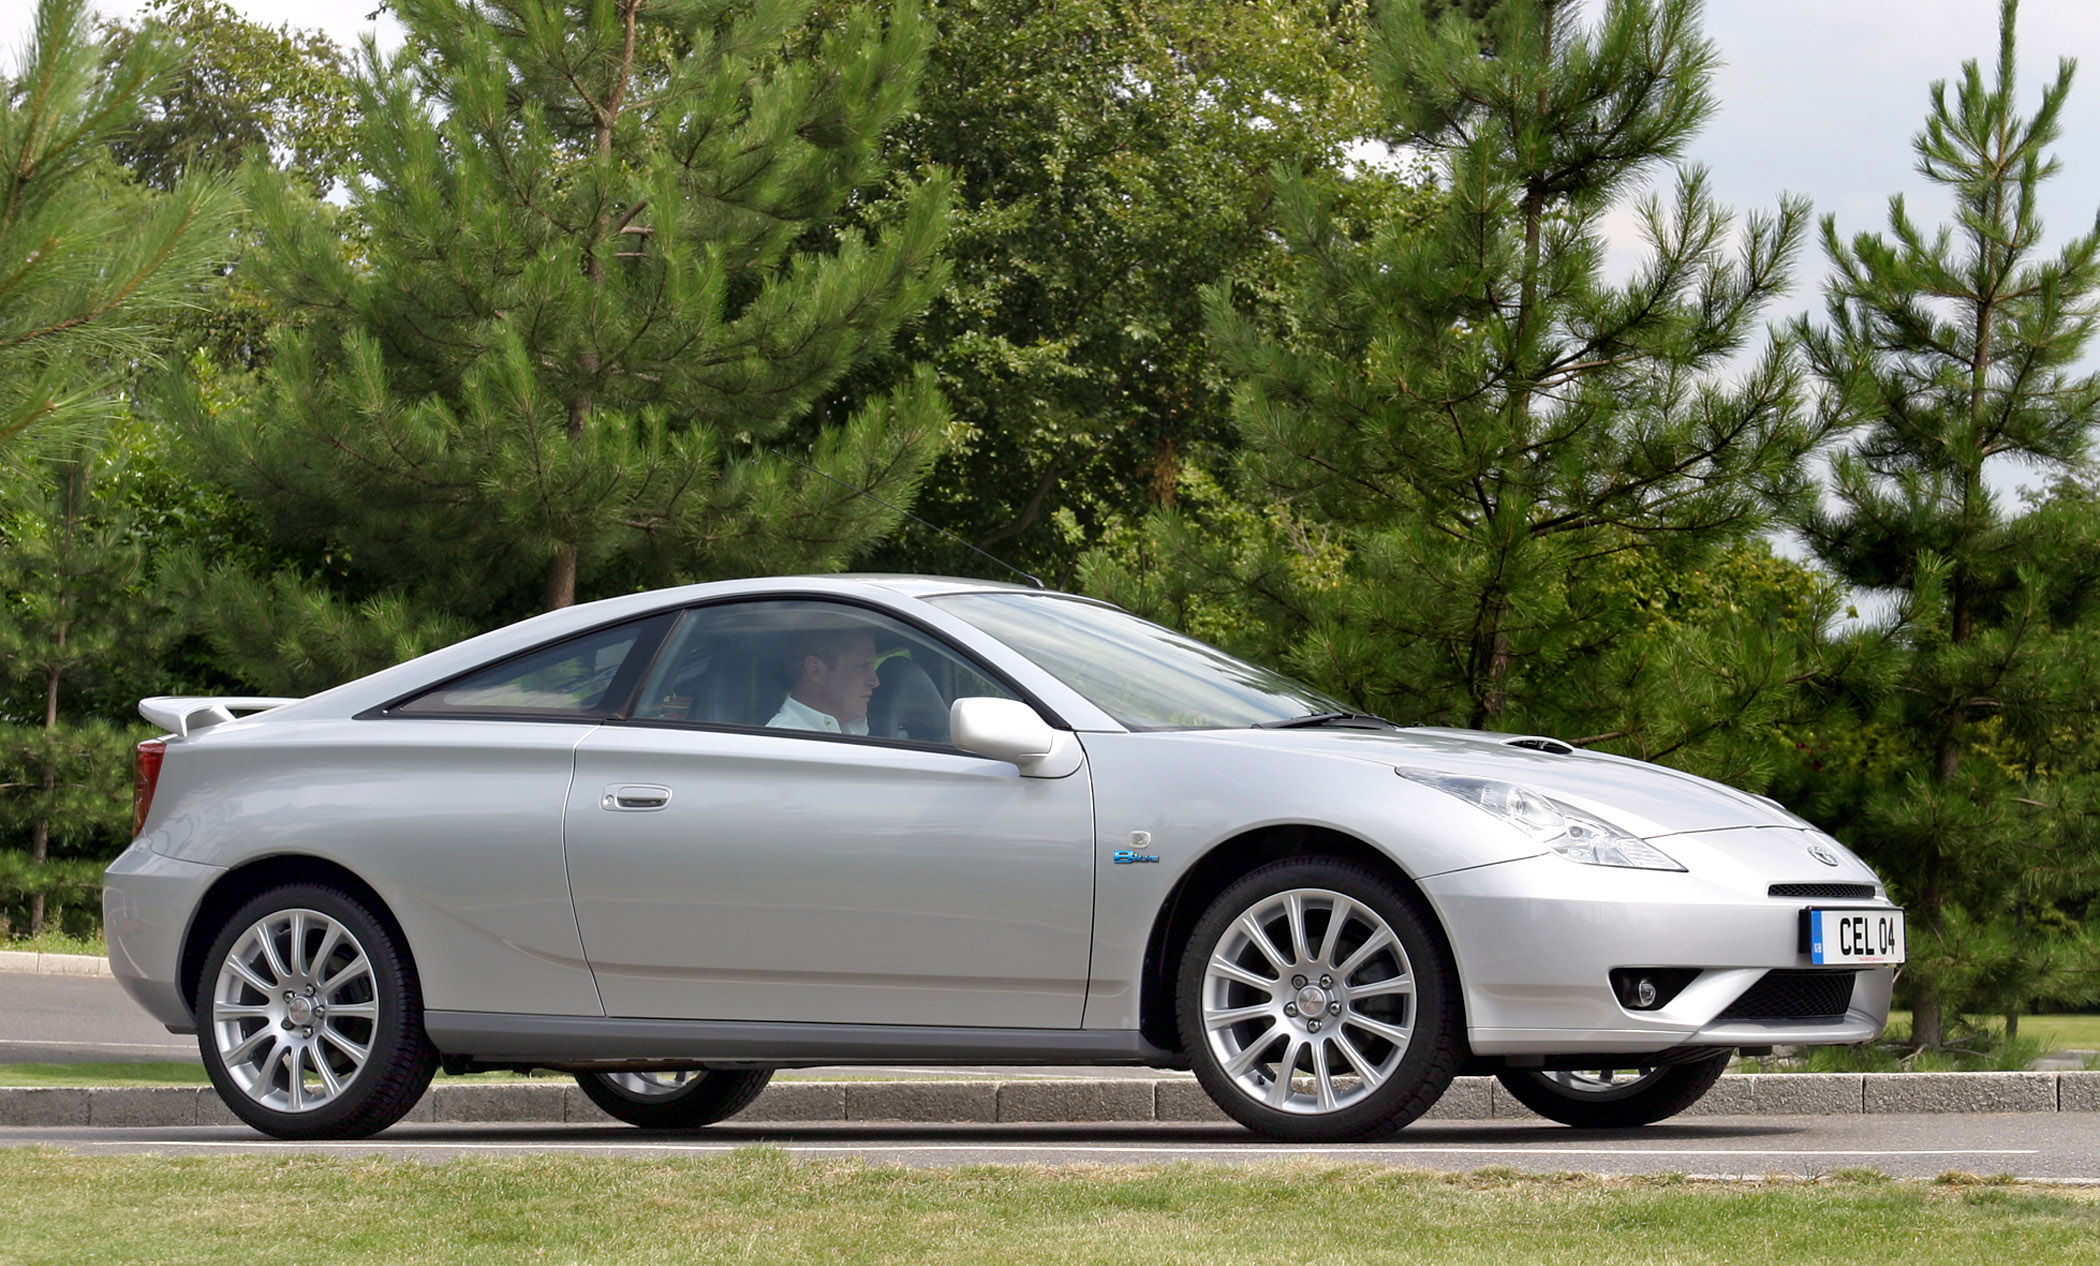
x=673 y=841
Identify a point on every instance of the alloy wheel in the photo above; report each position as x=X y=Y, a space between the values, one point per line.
x=1309 y=1001
x=294 y=1010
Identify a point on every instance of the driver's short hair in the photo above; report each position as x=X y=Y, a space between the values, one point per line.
x=827 y=644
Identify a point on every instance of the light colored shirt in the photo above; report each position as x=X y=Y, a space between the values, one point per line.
x=797 y=715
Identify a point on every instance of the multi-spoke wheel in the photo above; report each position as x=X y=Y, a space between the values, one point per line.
x=684 y=1099
x=1317 y=1004
x=309 y=1017
x=1616 y=1098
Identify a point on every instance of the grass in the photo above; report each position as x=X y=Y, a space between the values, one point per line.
x=153 y=1074
x=1978 y=1045
x=54 y=942
x=761 y=1206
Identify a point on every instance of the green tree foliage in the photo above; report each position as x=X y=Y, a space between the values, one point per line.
x=90 y=269
x=241 y=91
x=1511 y=459
x=73 y=614
x=1948 y=348
x=240 y=88
x=602 y=282
x=1111 y=158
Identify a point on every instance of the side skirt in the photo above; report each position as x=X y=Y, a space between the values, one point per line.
x=499 y=1038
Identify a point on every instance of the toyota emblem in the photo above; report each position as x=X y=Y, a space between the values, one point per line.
x=1822 y=852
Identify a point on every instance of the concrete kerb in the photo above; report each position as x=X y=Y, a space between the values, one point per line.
x=53 y=964
x=1081 y=1100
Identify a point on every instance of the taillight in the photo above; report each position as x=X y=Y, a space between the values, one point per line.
x=146 y=774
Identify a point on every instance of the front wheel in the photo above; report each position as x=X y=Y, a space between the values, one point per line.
x=1318 y=1005
x=310 y=1017
x=682 y=1100
x=1616 y=1098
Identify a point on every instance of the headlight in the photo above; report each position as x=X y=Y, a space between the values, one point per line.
x=1561 y=828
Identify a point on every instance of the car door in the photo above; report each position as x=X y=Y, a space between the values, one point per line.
x=725 y=867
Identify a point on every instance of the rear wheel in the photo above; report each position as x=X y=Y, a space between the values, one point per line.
x=1616 y=1098
x=685 y=1099
x=1318 y=1005
x=310 y=1017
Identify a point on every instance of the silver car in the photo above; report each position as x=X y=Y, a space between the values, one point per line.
x=674 y=841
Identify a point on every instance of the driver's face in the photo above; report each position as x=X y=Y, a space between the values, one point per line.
x=844 y=686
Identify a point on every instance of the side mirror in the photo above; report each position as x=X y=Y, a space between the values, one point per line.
x=1009 y=730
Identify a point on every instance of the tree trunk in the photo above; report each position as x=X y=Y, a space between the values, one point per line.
x=40 y=834
x=561 y=569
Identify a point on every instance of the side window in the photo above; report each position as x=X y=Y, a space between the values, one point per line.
x=568 y=679
x=809 y=666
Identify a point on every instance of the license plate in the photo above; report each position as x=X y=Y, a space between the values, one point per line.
x=1855 y=937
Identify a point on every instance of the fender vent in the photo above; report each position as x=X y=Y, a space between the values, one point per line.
x=1788 y=994
x=1825 y=892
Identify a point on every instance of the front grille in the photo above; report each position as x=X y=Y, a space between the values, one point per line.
x=1794 y=995
x=1826 y=892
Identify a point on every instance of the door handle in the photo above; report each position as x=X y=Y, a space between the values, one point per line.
x=635 y=797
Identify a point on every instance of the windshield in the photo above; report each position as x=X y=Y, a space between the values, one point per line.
x=1145 y=676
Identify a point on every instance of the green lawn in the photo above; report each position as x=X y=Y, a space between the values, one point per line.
x=58 y=943
x=155 y=1074
x=760 y=1206
x=2054 y=1032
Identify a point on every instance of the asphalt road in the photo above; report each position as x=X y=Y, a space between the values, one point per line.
x=80 y=1020
x=2057 y=1147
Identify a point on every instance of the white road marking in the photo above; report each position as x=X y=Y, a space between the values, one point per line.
x=1064 y=1149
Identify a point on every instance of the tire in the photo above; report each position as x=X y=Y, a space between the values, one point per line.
x=1310 y=935
x=676 y=1100
x=310 y=1017
x=1616 y=1098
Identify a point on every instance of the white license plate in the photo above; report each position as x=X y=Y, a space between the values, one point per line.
x=1855 y=937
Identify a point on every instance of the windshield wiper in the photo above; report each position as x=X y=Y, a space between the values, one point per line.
x=1347 y=720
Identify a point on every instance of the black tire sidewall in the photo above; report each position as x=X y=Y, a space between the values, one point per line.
x=1670 y=1091
x=1432 y=1057
x=401 y=1061
x=708 y=1098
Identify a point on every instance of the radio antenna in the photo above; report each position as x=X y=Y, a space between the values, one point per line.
x=1034 y=582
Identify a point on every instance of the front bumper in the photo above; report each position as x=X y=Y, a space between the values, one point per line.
x=148 y=901
x=1537 y=939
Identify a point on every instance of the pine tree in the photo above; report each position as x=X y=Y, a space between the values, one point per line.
x=73 y=610
x=1495 y=447
x=1949 y=349
x=585 y=347
x=91 y=269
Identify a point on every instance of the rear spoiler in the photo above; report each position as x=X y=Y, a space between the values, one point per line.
x=182 y=713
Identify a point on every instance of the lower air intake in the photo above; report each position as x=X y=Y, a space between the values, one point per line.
x=1794 y=995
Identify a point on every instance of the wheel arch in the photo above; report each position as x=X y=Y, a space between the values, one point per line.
x=1216 y=871
x=233 y=889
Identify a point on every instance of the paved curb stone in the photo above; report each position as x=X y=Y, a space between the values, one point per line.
x=54 y=964
x=787 y=1101
x=1960 y=1092
x=1808 y=1094
x=1110 y=1099
x=2078 y=1092
x=1183 y=1100
x=955 y=1101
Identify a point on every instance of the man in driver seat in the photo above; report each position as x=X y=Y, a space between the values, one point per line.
x=834 y=675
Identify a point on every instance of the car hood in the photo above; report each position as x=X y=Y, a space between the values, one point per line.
x=1650 y=801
